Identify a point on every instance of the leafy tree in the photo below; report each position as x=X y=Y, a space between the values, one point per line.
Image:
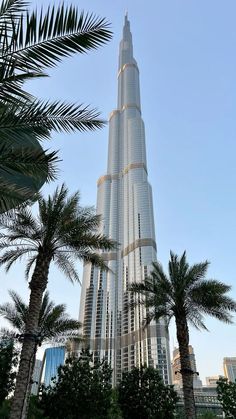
x=62 y=233
x=187 y=296
x=226 y=391
x=142 y=394
x=81 y=390
x=8 y=362
x=30 y=43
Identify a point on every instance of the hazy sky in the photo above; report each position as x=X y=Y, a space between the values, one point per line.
x=185 y=51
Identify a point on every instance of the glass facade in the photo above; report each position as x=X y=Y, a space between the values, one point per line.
x=124 y=200
x=53 y=358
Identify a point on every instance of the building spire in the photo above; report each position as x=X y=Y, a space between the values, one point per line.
x=127 y=71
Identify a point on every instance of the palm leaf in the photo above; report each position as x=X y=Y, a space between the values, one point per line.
x=66 y=265
x=12 y=195
x=42 y=41
x=29 y=162
x=11 y=9
x=11 y=83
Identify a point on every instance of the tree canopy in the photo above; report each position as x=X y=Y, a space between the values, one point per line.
x=142 y=394
x=82 y=390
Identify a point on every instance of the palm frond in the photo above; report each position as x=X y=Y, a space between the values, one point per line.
x=11 y=9
x=43 y=40
x=93 y=258
x=31 y=162
x=12 y=195
x=11 y=83
x=197 y=272
x=210 y=297
x=65 y=263
x=30 y=262
x=58 y=116
x=16 y=312
x=89 y=241
x=11 y=256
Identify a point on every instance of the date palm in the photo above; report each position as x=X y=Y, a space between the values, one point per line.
x=54 y=323
x=30 y=43
x=187 y=296
x=62 y=233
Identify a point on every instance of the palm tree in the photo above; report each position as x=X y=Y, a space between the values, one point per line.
x=62 y=233
x=186 y=296
x=54 y=323
x=31 y=42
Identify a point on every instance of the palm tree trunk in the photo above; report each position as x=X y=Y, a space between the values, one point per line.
x=186 y=370
x=29 y=387
x=37 y=286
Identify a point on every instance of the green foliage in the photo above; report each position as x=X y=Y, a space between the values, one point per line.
x=184 y=293
x=207 y=415
x=142 y=394
x=81 y=390
x=5 y=409
x=187 y=296
x=64 y=231
x=31 y=42
x=226 y=391
x=8 y=361
x=115 y=410
x=54 y=322
x=34 y=410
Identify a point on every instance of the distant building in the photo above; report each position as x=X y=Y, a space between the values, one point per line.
x=176 y=367
x=53 y=359
x=206 y=400
x=229 y=366
x=36 y=376
x=212 y=381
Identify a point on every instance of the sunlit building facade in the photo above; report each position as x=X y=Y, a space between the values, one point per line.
x=229 y=366
x=124 y=200
x=176 y=367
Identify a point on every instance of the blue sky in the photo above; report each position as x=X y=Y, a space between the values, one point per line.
x=185 y=50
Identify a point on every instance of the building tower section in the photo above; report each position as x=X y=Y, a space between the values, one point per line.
x=124 y=200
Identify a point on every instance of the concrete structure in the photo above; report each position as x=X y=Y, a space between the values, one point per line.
x=229 y=366
x=205 y=401
x=53 y=358
x=212 y=381
x=36 y=376
x=124 y=200
x=176 y=367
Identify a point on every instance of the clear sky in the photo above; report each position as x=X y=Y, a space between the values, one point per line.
x=185 y=51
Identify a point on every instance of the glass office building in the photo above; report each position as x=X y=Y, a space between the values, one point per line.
x=53 y=358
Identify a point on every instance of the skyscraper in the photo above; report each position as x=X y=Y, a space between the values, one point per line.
x=53 y=358
x=124 y=200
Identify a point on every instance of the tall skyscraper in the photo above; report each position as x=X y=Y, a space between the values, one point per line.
x=229 y=366
x=124 y=200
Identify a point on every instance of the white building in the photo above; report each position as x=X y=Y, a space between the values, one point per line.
x=176 y=367
x=229 y=366
x=36 y=376
x=124 y=200
x=212 y=380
